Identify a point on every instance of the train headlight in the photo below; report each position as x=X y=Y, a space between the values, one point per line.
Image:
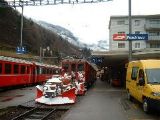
x=45 y=88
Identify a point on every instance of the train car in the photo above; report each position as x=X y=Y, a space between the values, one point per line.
x=42 y=72
x=17 y=72
x=87 y=70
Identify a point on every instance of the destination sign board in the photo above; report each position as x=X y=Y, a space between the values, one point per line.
x=97 y=60
x=123 y=37
x=21 y=50
x=137 y=36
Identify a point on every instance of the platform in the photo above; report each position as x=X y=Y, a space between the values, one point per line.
x=17 y=96
x=102 y=102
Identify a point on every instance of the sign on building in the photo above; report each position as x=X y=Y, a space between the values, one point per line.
x=137 y=36
x=123 y=37
x=119 y=37
x=97 y=60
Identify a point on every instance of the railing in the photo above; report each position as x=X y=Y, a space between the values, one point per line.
x=149 y=26
x=154 y=37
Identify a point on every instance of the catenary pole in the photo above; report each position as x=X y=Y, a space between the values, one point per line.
x=130 y=31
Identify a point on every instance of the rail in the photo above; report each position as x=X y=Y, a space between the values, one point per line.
x=35 y=113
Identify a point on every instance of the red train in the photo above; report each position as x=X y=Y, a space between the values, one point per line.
x=88 y=70
x=16 y=72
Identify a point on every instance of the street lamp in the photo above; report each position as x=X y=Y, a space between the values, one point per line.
x=130 y=30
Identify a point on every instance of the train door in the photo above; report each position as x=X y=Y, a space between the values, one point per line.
x=73 y=71
x=34 y=74
x=29 y=68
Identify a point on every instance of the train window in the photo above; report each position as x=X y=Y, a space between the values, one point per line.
x=66 y=67
x=73 y=67
x=28 y=70
x=38 y=70
x=16 y=69
x=50 y=71
x=0 y=68
x=56 y=71
x=47 y=71
x=80 y=67
x=23 y=69
x=8 y=68
x=43 y=71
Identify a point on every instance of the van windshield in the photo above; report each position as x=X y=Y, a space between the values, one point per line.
x=153 y=75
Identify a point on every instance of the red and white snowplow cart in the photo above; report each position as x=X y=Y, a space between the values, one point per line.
x=54 y=92
x=80 y=84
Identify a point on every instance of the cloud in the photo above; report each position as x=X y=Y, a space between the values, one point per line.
x=89 y=22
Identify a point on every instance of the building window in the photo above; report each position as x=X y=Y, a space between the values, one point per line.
x=120 y=22
x=121 y=32
x=154 y=21
x=154 y=45
x=137 y=22
x=121 y=45
x=154 y=33
x=137 y=45
x=137 y=32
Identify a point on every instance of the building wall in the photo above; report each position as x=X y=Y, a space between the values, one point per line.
x=120 y=24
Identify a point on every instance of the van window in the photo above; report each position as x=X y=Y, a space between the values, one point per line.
x=141 y=74
x=153 y=75
x=134 y=73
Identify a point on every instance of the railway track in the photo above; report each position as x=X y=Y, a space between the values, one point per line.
x=35 y=114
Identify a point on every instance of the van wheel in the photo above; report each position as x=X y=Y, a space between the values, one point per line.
x=146 y=106
x=129 y=97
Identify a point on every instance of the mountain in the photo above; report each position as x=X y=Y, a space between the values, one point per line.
x=101 y=45
x=36 y=39
x=63 y=32
x=68 y=35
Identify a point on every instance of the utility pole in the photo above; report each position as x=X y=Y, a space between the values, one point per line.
x=21 y=44
x=130 y=31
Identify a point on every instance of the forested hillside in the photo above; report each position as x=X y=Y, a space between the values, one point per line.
x=34 y=36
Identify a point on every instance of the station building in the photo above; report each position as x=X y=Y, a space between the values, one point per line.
x=116 y=58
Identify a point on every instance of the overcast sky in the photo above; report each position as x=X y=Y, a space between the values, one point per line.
x=89 y=22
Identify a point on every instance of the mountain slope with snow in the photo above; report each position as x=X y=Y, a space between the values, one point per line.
x=68 y=35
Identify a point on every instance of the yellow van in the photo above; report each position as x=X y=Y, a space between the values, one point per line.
x=143 y=83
